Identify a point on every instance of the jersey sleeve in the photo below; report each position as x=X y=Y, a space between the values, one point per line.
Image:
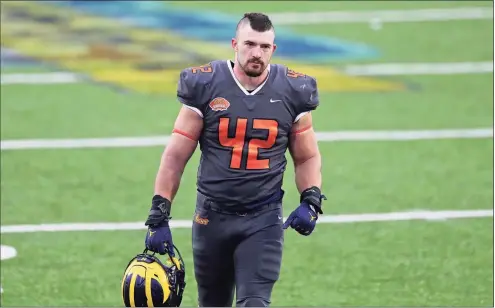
x=305 y=93
x=309 y=99
x=189 y=91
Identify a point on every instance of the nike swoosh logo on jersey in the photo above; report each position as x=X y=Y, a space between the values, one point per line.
x=274 y=100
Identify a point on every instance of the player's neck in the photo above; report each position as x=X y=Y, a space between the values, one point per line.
x=249 y=83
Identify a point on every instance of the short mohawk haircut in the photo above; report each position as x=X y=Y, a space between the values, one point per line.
x=258 y=22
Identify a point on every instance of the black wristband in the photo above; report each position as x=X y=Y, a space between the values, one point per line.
x=313 y=197
x=159 y=212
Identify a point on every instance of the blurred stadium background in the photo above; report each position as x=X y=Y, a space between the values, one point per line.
x=405 y=128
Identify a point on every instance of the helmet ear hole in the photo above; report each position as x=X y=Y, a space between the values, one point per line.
x=153 y=282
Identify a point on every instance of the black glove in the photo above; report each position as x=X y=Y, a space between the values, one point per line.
x=313 y=196
x=303 y=218
x=159 y=237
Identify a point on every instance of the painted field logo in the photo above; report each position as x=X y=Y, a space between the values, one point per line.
x=7 y=252
x=148 y=51
x=219 y=104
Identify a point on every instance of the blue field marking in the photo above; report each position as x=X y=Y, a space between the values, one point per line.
x=220 y=28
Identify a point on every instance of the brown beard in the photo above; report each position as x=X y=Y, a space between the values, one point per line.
x=254 y=73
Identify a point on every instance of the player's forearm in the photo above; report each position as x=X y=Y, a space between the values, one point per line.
x=308 y=173
x=172 y=165
x=168 y=177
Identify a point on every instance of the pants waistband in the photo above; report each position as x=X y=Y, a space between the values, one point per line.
x=220 y=208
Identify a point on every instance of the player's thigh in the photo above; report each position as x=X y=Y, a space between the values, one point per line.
x=259 y=257
x=213 y=260
x=212 y=252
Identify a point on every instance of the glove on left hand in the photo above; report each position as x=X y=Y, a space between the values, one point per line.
x=303 y=218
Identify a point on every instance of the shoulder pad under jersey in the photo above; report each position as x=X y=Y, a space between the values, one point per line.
x=304 y=90
x=192 y=83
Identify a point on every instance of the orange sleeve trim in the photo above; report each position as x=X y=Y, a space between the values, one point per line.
x=302 y=130
x=178 y=131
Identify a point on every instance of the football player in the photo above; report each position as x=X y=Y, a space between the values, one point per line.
x=245 y=114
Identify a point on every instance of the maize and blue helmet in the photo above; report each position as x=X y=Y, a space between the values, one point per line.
x=149 y=282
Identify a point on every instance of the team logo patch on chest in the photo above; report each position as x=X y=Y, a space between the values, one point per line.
x=219 y=104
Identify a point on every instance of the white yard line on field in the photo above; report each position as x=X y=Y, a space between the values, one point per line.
x=384 y=69
x=374 y=69
x=341 y=218
x=39 y=78
x=411 y=15
x=398 y=135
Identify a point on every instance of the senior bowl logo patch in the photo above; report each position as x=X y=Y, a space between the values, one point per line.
x=219 y=104
x=201 y=220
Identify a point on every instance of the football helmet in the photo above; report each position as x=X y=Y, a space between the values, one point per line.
x=149 y=282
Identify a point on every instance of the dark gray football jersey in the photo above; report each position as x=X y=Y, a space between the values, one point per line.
x=245 y=134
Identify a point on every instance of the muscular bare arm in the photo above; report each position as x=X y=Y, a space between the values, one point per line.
x=182 y=144
x=305 y=154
